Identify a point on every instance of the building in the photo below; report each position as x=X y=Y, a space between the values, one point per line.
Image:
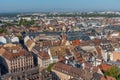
x=61 y=71
x=18 y=61
x=43 y=59
x=18 y=64
x=57 y=52
x=115 y=56
x=30 y=44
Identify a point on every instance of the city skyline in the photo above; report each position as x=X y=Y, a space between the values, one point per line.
x=59 y=40
x=61 y=5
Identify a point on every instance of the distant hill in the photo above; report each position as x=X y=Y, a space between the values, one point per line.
x=8 y=14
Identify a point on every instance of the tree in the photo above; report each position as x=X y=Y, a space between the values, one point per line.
x=114 y=72
x=3 y=31
x=26 y=23
x=50 y=66
x=20 y=37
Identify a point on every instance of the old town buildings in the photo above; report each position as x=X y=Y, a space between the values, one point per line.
x=60 y=48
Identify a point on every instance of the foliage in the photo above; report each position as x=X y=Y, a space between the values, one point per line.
x=3 y=31
x=25 y=22
x=50 y=66
x=114 y=72
x=20 y=37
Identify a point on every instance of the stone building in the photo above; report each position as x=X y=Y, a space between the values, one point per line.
x=43 y=59
x=19 y=64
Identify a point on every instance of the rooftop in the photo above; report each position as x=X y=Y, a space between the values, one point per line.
x=11 y=56
x=43 y=55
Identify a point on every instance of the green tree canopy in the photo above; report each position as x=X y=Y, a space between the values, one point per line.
x=26 y=23
x=20 y=37
x=50 y=66
x=3 y=31
x=114 y=72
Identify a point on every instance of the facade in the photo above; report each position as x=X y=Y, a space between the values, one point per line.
x=43 y=59
x=30 y=74
x=115 y=56
x=61 y=71
x=20 y=66
x=18 y=61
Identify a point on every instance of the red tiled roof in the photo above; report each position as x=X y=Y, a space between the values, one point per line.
x=78 y=57
x=105 y=67
x=76 y=42
x=43 y=55
x=85 y=43
x=11 y=56
x=67 y=69
x=62 y=58
x=103 y=78
x=110 y=78
x=96 y=41
x=107 y=78
x=95 y=69
x=33 y=28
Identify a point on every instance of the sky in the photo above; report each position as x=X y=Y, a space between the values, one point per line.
x=58 y=5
